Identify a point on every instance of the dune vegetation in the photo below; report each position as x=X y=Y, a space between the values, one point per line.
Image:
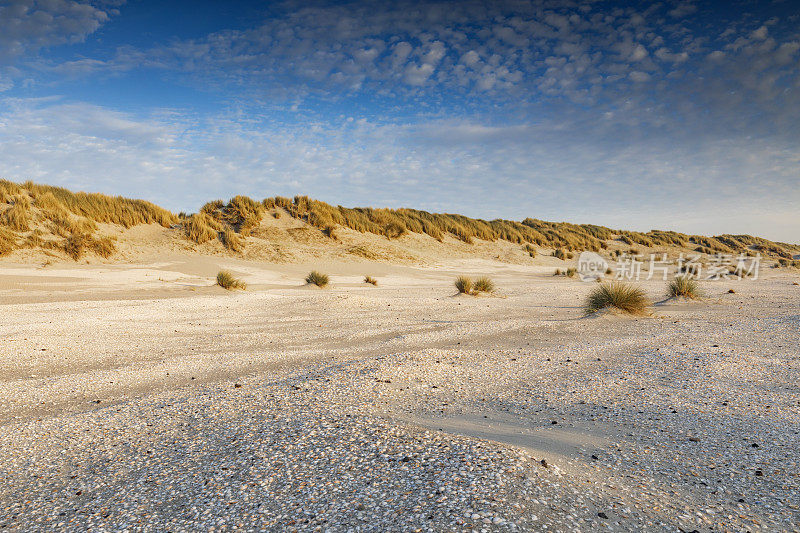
x=60 y=221
x=683 y=287
x=317 y=278
x=617 y=295
x=226 y=280
x=483 y=284
x=463 y=285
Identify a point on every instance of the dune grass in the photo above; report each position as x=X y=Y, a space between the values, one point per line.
x=8 y=241
x=683 y=286
x=464 y=285
x=226 y=280
x=627 y=298
x=330 y=232
x=200 y=228
x=232 y=240
x=16 y=217
x=483 y=284
x=79 y=244
x=28 y=206
x=370 y=280
x=318 y=279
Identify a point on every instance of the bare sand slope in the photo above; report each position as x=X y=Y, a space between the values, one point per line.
x=143 y=397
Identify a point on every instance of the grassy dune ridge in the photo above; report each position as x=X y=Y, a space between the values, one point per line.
x=56 y=219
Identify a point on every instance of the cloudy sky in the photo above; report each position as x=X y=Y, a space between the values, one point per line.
x=674 y=115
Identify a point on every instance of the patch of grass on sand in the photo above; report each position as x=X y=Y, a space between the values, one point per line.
x=8 y=241
x=78 y=244
x=200 y=228
x=683 y=286
x=16 y=217
x=483 y=284
x=317 y=278
x=330 y=231
x=226 y=280
x=627 y=298
x=570 y=273
x=232 y=240
x=370 y=280
x=464 y=285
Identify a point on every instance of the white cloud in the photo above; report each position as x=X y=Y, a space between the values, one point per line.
x=639 y=52
x=682 y=9
x=27 y=25
x=556 y=169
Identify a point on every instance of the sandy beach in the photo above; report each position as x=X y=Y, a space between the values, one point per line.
x=142 y=396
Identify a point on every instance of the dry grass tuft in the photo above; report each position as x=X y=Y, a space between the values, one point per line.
x=370 y=280
x=232 y=241
x=226 y=280
x=395 y=230
x=79 y=244
x=201 y=228
x=684 y=286
x=570 y=273
x=317 y=278
x=8 y=241
x=330 y=231
x=483 y=284
x=16 y=217
x=362 y=251
x=627 y=298
x=464 y=285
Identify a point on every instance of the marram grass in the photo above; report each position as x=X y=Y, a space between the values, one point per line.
x=627 y=298
x=483 y=284
x=226 y=280
x=463 y=285
x=683 y=286
x=317 y=278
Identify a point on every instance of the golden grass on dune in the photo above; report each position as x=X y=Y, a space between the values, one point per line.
x=78 y=244
x=53 y=218
x=200 y=228
x=562 y=236
x=62 y=214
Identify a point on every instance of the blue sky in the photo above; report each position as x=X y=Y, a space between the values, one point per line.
x=638 y=115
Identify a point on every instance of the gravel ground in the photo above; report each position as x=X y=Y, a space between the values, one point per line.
x=687 y=420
